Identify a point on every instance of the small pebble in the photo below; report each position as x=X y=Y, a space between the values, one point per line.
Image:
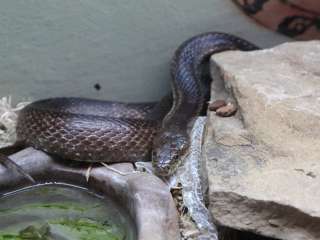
x=226 y=111
x=214 y=106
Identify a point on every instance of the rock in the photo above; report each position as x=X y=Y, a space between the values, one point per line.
x=264 y=162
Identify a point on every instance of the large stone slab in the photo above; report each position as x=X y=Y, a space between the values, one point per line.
x=264 y=163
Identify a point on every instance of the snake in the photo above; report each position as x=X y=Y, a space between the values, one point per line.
x=299 y=19
x=92 y=130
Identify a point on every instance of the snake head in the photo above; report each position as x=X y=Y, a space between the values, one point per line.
x=169 y=147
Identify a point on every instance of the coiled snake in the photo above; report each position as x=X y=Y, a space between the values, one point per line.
x=96 y=131
x=101 y=131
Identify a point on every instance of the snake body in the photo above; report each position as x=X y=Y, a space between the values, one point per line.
x=87 y=130
x=94 y=131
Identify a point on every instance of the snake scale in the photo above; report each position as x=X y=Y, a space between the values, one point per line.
x=95 y=131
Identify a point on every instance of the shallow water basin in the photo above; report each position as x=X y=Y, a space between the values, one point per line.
x=62 y=211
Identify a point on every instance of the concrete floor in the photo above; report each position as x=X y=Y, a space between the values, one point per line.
x=64 y=47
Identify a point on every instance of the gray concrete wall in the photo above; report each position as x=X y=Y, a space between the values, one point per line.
x=64 y=47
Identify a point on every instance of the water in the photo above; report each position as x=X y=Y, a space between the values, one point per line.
x=58 y=211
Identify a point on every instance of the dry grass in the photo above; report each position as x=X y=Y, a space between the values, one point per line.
x=8 y=119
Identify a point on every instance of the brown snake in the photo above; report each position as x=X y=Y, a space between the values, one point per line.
x=100 y=131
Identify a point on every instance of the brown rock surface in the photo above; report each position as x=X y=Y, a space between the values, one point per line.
x=264 y=162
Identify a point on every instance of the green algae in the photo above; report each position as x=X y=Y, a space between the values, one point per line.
x=84 y=229
x=71 y=206
x=69 y=229
x=58 y=212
